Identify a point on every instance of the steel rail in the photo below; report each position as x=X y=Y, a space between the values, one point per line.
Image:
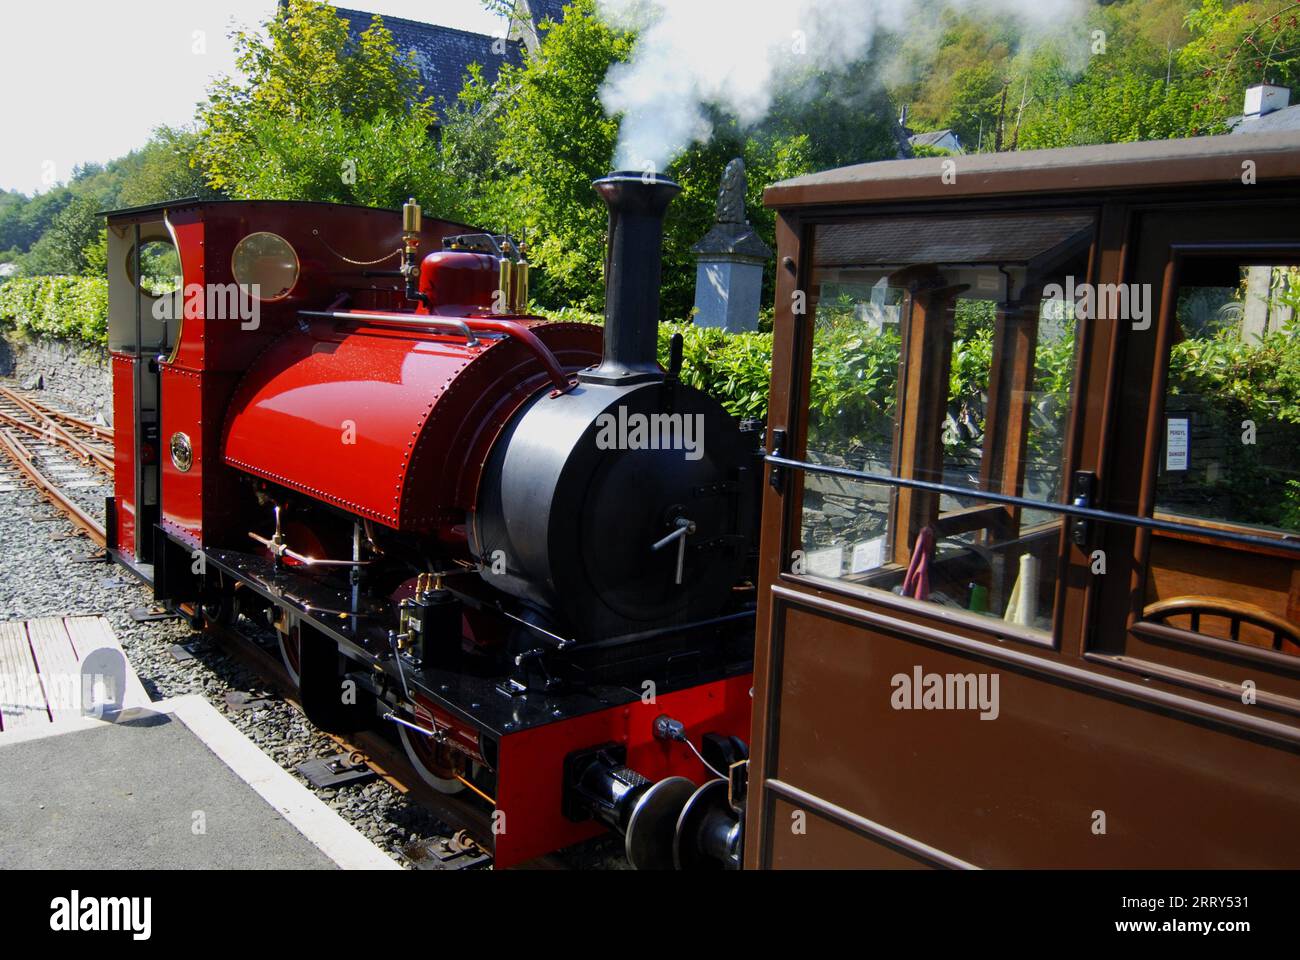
x=50 y=430
x=92 y=457
x=98 y=432
x=101 y=437
x=24 y=461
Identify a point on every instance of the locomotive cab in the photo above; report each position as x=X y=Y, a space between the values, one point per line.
x=143 y=268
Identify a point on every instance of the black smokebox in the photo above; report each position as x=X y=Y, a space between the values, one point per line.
x=633 y=268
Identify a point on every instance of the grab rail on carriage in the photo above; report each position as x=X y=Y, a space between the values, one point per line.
x=1286 y=542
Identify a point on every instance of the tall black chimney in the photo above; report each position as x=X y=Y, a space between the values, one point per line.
x=633 y=262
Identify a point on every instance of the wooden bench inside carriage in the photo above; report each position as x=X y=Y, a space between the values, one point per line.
x=1208 y=588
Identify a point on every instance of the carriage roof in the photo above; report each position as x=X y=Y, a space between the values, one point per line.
x=1101 y=168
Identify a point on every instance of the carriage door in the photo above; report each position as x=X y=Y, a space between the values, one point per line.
x=915 y=529
x=1208 y=596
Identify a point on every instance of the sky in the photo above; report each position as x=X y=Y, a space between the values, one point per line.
x=88 y=80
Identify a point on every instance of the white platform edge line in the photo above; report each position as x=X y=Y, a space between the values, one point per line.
x=329 y=832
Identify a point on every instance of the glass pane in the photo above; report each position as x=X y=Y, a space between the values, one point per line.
x=160 y=265
x=943 y=350
x=1231 y=444
x=266 y=264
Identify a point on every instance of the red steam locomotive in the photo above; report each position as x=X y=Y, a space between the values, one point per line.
x=529 y=552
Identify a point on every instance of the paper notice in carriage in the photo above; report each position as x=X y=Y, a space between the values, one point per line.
x=1176 y=443
x=825 y=563
x=868 y=555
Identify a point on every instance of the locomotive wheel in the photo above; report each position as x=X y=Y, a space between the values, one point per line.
x=431 y=760
x=223 y=611
x=220 y=605
x=706 y=812
x=291 y=654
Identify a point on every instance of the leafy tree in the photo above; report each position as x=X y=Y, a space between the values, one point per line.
x=1187 y=82
x=23 y=220
x=306 y=70
x=844 y=117
x=470 y=133
x=162 y=170
x=1237 y=45
x=61 y=250
x=60 y=232
x=377 y=161
x=555 y=138
x=1114 y=103
x=952 y=70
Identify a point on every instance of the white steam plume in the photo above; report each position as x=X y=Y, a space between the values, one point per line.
x=735 y=54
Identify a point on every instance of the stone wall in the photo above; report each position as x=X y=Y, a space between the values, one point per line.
x=73 y=375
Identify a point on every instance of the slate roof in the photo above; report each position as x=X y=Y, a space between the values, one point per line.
x=933 y=138
x=442 y=54
x=547 y=10
x=1288 y=118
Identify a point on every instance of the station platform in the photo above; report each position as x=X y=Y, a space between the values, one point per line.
x=139 y=784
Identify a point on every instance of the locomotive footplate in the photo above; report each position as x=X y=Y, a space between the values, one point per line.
x=522 y=736
x=364 y=637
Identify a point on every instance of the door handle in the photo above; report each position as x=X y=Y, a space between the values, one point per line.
x=1083 y=489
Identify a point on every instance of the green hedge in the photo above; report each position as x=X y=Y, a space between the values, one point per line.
x=62 y=308
x=733 y=367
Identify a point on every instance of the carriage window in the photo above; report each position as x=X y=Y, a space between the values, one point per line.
x=1231 y=444
x=943 y=350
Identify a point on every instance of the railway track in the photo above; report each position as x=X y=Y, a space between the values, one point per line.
x=59 y=454
x=471 y=822
x=53 y=450
x=86 y=441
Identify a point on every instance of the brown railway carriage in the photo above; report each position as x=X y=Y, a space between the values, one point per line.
x=1030 y=590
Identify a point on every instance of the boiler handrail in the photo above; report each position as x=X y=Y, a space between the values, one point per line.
x=465 y=327
x=532 y=341
x=406 y=320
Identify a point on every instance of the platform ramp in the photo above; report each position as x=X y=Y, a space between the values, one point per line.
x=57 y=672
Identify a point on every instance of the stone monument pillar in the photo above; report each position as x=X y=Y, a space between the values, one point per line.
x=730 y=258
